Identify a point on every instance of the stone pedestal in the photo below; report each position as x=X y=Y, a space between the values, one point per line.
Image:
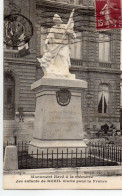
x=11 y=158
x=57 y=125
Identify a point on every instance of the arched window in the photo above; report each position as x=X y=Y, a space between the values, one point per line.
x=103 y=98
x=9 y=97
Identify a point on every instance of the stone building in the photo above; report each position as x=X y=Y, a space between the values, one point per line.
x=94 y=58
x=121 y=103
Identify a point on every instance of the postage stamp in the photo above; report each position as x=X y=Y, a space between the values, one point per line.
x=108 y=14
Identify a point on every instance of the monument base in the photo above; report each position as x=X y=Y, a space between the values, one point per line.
x=58 y=126
x=74 y=148
x=58 y=114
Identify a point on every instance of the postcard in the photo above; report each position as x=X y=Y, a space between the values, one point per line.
x=62 y=98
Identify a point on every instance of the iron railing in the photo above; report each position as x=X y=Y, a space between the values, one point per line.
x=96 y=154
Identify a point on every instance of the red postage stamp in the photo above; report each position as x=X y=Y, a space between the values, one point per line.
x=108 y=14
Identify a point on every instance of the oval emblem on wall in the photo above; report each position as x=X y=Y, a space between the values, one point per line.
x=18 y=30
x=63 y=97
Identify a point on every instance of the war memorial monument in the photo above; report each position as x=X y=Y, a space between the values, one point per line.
x=58 y=115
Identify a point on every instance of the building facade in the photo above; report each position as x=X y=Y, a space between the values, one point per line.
x=95 y=57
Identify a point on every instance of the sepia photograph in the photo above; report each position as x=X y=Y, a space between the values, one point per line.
x=62 y=94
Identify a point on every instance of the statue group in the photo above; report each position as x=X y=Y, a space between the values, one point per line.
x=56 y=59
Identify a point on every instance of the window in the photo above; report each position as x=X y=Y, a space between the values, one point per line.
x=104 y=47
x=9 y=96
x=76 y=47
x=43 y=38
x=80 y=2
x=103 y=98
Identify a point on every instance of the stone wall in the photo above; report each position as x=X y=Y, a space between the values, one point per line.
x=24 y=75
x=90 y=98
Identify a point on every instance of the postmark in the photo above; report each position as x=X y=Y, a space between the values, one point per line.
x=18 y=30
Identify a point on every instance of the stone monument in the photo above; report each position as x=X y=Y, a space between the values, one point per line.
x=58 y=115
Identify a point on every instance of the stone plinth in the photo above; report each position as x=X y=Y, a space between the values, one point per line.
x=11 y=158
x=61 y=146
x=56 y=125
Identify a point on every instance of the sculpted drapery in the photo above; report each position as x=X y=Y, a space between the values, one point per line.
x=56 y=58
